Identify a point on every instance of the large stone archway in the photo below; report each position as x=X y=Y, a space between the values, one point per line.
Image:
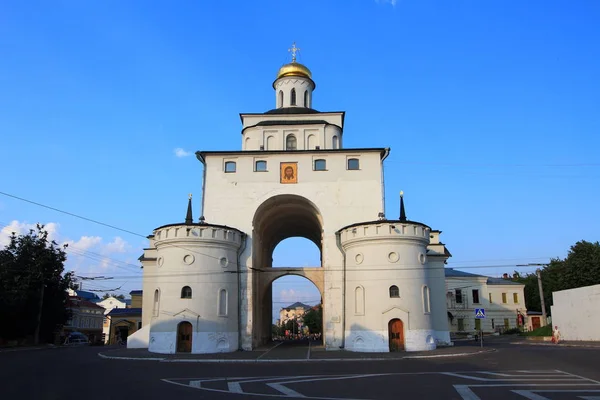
x=278 y=218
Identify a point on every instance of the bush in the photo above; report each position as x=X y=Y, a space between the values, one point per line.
x=543 y=331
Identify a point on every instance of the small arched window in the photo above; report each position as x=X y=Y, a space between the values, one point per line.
x=320 y=165
x=426 y=301
x=291 y=143
x=222 y=301
x=394 y=291
x=280 y=99
x=155 y=308
x=335 y=142
x=186 y=292
x=353 y=163
x=306 y=99
x=230 y=166
x=293 y=97
x=359 y=300
x=261 y=166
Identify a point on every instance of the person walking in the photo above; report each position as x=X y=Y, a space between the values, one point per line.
x=556 y=335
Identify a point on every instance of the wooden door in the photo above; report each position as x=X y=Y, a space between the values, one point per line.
x=396 y=334
x=184 y=337
x=535 y=322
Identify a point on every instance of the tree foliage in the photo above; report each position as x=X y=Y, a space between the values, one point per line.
x=313 y=319
x=27 y=263
x=116 y=296
x=580 y=268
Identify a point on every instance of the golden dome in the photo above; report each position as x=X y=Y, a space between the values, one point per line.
x=294 y=69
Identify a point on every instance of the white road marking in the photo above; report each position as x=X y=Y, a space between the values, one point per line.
x=532 y=394
x=285 y=390
x=234 y=387
x=267 y=352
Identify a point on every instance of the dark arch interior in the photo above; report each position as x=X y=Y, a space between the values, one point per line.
x=277 y=219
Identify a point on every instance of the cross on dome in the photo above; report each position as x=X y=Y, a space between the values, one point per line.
x=294 y=50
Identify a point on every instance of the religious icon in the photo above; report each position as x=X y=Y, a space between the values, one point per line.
x=289 y=173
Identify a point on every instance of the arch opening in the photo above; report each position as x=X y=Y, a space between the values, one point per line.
x=277 y=219
x=296 y=309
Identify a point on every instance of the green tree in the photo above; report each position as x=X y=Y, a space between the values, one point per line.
x=580 y=268
x=313 y=319
x=116 y=296
x=33 y=286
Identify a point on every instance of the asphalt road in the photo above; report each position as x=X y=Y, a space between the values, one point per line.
x=512 y=372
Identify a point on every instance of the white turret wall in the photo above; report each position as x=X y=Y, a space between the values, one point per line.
x=300 y=85
x=203 y=257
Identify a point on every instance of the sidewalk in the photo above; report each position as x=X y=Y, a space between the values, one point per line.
x=266 y=355
x=9 y=349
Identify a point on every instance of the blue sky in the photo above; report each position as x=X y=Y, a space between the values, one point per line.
x=490 y=109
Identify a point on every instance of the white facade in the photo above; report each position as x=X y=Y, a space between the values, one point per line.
x=294 y=178
x=109 y=303
x=576 y=312
x=502 y=300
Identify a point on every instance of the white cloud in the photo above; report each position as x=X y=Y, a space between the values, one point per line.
x=392 y=2
x=118 y=245
x=21 y=228
x=179 y=152
x=84 y=243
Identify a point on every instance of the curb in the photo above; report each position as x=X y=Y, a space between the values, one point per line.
x=293 y=360
x=583 y=346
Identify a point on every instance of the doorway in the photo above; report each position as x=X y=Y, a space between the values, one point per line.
x=396 y=334
x=184 y=337
x=535 y=322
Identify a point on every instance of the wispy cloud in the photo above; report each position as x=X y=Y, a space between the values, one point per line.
x=392 y=2
x=179 y=152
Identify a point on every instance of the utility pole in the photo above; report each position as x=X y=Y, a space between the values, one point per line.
x=538 y=272
x=539 y=277
x=39 y=316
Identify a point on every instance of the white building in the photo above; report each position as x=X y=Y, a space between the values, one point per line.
x=502 y=300
x=207 y=284
x=576 y=312
x=109 y=304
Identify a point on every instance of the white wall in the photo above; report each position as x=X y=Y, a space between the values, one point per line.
x=341 y=196
x=576 y=312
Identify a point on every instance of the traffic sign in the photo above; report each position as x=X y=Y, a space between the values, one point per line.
x=479 y=313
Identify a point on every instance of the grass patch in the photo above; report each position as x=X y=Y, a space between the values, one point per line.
x=543 y=331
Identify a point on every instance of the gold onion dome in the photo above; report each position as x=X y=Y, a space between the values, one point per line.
x=294 y=69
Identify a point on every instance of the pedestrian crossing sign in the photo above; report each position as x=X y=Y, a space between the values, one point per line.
x=479 y=313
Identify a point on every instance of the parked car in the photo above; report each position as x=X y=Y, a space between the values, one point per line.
x=76 y=338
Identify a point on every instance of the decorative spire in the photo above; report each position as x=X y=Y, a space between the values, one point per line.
x=402 y=211
x=294 y=50
x=188 y=218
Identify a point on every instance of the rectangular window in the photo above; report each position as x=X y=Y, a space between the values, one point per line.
x=477 y=324
x=461 y=324
x=459 y=298
x=506 y=323
x=320 y=165
x=503 y=298
x=353 y=164
x=490 y=296
x=476 y=296
x=516 y=298
x=260 y=166
x=230 y=166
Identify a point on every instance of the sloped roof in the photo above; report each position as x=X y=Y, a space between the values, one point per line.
x=452 y=273
x=296 y=305
x=501 y=281
x=86 y=295
x=136 y=292
x=125 y=311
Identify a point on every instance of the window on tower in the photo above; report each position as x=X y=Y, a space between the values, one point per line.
x=320 y=165
x=291 y=142
x=293 y=97
x=306 y=99
x=353 y=163
x=230 y=166
x=260 y=166
x=186 y=292
x=394 y=291
x=280 y=99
